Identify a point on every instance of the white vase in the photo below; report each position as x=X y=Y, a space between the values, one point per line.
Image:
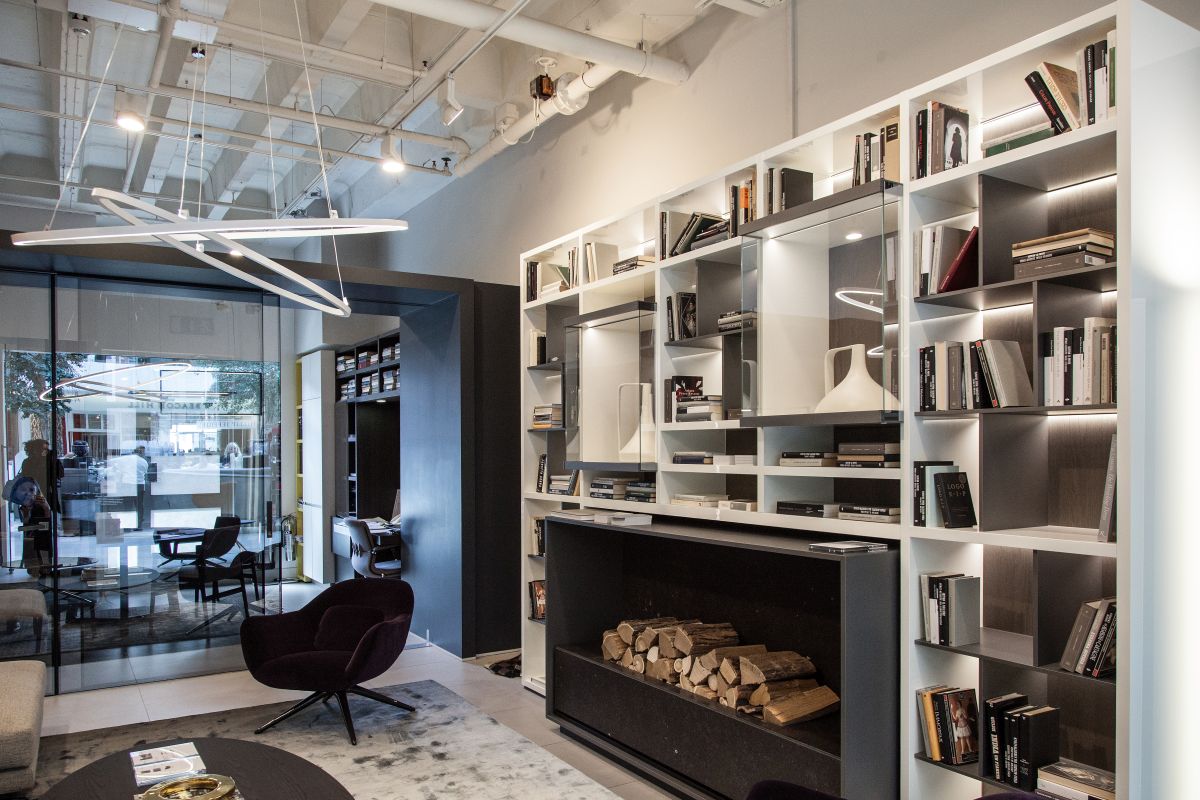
x=858 y=391
x=638 y=444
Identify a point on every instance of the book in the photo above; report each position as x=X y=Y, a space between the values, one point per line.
x=697 y=224
x=1037 y=744
x=805 y=508
x=600 y=258
x=868 y=448
x=963 y=271
x=954 y=499
x=955 y=125
x=537 y=536
x=889 y=138
x=670 y=228
x=921 y=488
x=795 y=187
x=1107 y=529
x=158 y=764
x=963 y=597
x=1079 y=634
x=1093 y=633
x=1105 y=636
x=960 y=711
x=685 y=314
x=1061 y=87
x=1004 y=369
x=541 y=473
x=537 y=599
x=1074 y=779
x=738 y=505
x=860 y=517
x=848 y=547
x=1008 y=742
x=1096 y=236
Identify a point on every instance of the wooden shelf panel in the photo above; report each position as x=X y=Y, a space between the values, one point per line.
x=1050 y=538
x=1101 y=278
x=1013 y=649
x=1036 y=411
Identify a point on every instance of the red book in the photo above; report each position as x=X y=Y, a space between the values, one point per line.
x=964 y=269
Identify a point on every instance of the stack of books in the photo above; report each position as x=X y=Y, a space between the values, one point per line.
x=564 y=484
x=609 y=488
x=1068 y=780
x=1092 y=647
x=1079 y=365
x=368 y=384
x=678 y=232
x=735 y=321
x=631 y=263
x=388 y=380
x=1022 y=738
x=624 y=518
x=641 y=492
x=985 y=373
x=1062 y=252
x=807 y=458
x=691 y=457
x=389 y=353
x=946 y=259
x=346 y=391
x=737 y=459
x=681 y=316
x=159 y=764
x=876 y=155
x=868 y=455
x=701 y=500
x=949 y=717
x=547 y=416
x=344 y=362
x=1076 y=98
x=927 y=511
x=941 y=139
x=738 y=505
x=708 y=408
x=843 y=547
x=599 y=256
x=807 y=508
x=950 y=604
x=868 y=513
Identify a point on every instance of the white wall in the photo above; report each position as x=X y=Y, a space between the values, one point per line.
x=637 y=139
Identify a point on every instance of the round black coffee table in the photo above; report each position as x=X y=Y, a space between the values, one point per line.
x=262 y=772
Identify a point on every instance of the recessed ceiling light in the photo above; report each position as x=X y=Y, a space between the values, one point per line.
x=130 y=111
x=853 y=236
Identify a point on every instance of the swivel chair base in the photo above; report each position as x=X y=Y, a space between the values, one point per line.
x=342 y=701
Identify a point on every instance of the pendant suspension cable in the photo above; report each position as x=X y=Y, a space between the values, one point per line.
x=187 y=149
x=312 y=107
x=203 y=139
x=87 y=124
x=270 y=122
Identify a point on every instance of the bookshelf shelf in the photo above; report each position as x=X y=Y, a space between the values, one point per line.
x=613 y=466
x=545 y=430
x=815 y=420
x=966 y=770
x=841 y=473
x=1037 y=411
x=1064 y=160
x=711 y=469
x=725 y=252
x=708 y=341
x=715 y=425
x=1048 y=538
x=552 y=366
x=1013 y=649
x=1100 y=278
x=567 y=298
x=823 y=210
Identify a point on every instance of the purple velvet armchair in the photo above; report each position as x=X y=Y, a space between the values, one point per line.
x=348 y=634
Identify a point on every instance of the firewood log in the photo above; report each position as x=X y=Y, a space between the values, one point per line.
x=802 y=706
x=627 y=658
x=712 y=659
x=699 y=675
x=629 y=628
x=652 y=654
x=705 y=692
x=718 y=684
x=648 y=637
x=685 y=682
x=639 y=664
x=613 y=647
x=777 y=666
x=698 y=638
x=662 y=670
x=749 y=709
x=736 y=696
x=729 y=671
x=683 y=665
x=774 y=691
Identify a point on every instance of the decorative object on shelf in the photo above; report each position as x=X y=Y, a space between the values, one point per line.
x=639 y=441
x=858 y=391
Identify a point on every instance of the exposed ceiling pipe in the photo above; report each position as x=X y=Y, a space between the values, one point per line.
x=451 y=143
x=283 y=45
x=179 y=137
x=166 y=30
x=583 y=85
x=543 y=35
x=49 y=203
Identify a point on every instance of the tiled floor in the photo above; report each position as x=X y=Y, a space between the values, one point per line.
x=502 y=698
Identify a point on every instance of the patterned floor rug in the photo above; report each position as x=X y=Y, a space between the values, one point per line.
x=447 y=750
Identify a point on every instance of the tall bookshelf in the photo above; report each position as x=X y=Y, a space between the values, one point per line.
x=1036 y=472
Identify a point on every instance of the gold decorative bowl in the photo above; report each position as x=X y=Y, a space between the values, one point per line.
x=193 y=787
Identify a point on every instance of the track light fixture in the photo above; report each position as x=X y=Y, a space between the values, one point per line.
x=451 y=108
x=392 y=157
x=199 y=53
x=130 y=111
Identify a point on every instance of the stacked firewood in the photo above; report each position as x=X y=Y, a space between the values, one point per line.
x=709 y=660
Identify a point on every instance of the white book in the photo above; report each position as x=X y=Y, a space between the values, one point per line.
x=1047 y=380
x=1008 y=372
x=1092 y=328
x=941 y=377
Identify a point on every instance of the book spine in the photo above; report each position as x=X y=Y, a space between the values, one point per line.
x=921 y=135
x=1089 y=68
x=770 y=187
x=1093 y=658
x=986 y=369
x=541 y=473
x=1047 y=102
x=993 y=728
x=937 y=139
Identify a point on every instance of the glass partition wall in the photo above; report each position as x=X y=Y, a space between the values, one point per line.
x=139 y=443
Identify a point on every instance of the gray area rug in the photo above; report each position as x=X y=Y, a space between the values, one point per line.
x=447 y=750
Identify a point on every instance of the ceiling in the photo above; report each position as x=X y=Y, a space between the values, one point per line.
x=228 y=158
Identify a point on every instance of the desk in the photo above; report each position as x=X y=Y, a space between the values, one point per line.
x=262 y=773
x=124 y=579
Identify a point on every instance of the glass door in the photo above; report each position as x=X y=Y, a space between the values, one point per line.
x=149 y=419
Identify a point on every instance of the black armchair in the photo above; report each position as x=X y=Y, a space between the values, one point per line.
x=211 y=569
x=348 y=634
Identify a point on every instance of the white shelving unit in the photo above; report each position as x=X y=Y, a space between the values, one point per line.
x=789 y=380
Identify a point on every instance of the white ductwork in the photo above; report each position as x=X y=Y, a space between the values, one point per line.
x=554 y=38
x=451 y=143
x=577 y=90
